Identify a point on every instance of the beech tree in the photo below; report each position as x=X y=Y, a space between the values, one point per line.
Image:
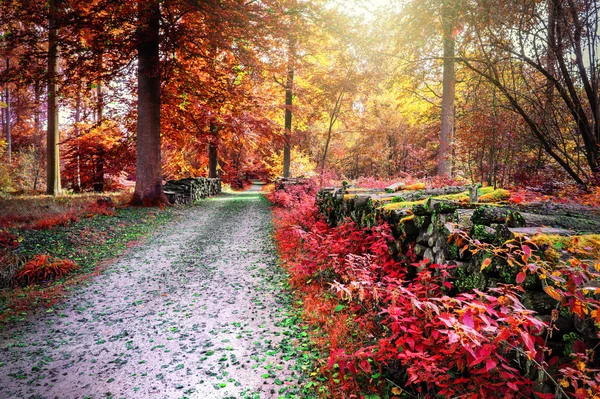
x=53 y=185
x=148 y=182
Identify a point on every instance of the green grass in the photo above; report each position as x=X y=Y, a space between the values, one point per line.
x=88 y=242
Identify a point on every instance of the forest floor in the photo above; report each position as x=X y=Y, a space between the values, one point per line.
x=198 y=310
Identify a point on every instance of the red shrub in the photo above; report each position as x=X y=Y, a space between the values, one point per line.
x=43 y=268
x=467 y=346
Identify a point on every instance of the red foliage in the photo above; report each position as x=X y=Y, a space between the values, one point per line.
x=461 y=346
x=43 y=268
x=51 y=221
x=8 y=240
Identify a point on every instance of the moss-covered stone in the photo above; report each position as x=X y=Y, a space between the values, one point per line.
x=495 y=195
x=484 y=233
x=453 y=251
x=467 y=281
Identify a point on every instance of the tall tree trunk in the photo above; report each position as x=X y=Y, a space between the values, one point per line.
x=213 y=152
x=7 y=125
x=37 y=130
x=77 y=183
x=53 y=154
x=99 y=172
x=333 y=117
x=289 y=97
x=444 y=167
x=148 y=182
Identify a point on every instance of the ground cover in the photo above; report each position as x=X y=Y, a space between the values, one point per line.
x=395 y=327
x=199 y=309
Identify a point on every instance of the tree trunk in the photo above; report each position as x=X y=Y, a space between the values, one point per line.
x=52 y=135
x=7 y=125
x=289 y=96
x=37 y=163
x=213 y=153
x=148 y=182
x=333 y=117
x=449 y=82
x=99 y=172
x=77 y=185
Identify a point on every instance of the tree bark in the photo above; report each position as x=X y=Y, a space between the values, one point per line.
x=148 y=182
x=37 y=128
x=289 y=97
x=99 y=172
x=53 y=186
x=7 y=111
x=444 y=167
x=213 y=153
x=77 y=182
x=333 y=117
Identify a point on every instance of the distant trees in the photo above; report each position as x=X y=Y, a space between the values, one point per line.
x=171 y=40
x=457 y=88
x=543 y=57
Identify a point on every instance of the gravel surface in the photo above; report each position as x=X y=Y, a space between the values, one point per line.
x=197 y=311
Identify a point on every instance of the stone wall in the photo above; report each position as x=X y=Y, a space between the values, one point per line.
x=186 y=191
x=425 y=220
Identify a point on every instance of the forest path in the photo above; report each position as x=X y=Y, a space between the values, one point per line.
x=197 y=311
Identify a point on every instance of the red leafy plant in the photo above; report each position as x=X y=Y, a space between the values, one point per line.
x=42 y=268
x=408 y=329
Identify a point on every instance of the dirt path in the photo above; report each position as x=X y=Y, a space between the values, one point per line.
x=195 y=312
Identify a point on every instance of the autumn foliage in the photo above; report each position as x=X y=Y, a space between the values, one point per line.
x=42 y=268
x=392 y=325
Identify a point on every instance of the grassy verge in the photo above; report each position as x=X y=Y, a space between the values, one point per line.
x=88 y=241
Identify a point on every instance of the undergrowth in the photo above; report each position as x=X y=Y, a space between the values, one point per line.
x=85 y=242
x=386 y=334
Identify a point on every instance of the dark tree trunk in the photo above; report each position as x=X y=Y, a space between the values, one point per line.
x=99 y=172
x=213 y=153
x=148 y=182
x=7 y=125
x=53 y=164
x=38 y=135
x=444 y=167
x=77 y=182
x=289 y=97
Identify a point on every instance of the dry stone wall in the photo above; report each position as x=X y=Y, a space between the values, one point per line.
x=186 y=191
x=424 y=220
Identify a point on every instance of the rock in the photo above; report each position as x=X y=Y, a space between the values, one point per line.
x=486 y=215
x=442 y=206
x=420 y=250
x=409 y=227
x=431 y=242
x=484 y=233
x=428 y=255
x=585 y=327
x=503 y=233
x=531 y=231
x=422 y=238
x=540 y=302
x=395 y=187
x=463 y=218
